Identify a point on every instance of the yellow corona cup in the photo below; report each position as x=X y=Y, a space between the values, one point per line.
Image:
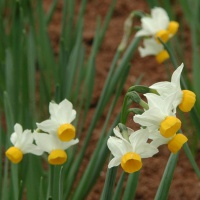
x=188 y=101
x=163 y=35
x=162 y=56
x=131 y=162
x=57 y=157
x=177 y=142
x=14 y=154
x=169 y=126
x=173 y=27
x=66 y=132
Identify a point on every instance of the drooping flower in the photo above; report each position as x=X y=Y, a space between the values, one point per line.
x=185 y=99
x=51 y=144
x=22 y=143
x=158 y=25
x=151 y=47
x=174 y=143
x=129 y=152
x=61 y=116
x=160 y=115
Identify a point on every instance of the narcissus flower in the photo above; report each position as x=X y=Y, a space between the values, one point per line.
x=160 y=115
x=51 y=144
x=174 y=143
x=151 y=47
x=61 y=116
x=185 y=99
x=158 y=25
x=129 y=152
x=22 y=143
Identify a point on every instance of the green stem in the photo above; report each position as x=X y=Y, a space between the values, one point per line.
x=50 y=183
x=191 y=159
x=163 y=189
x=109 y=184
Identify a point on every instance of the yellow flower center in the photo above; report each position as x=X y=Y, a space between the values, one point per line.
x=188 y=101
x=131 y=162
x=177 y=142
x=162 y=56
x=163 y=35
x=169 y=126
x=14 y=154
x=57 y=157
x=173 y=27
x=66 y=132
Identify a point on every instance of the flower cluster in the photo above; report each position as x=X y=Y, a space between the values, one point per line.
x=159 y=125
x=154 y=27
x=53 y=136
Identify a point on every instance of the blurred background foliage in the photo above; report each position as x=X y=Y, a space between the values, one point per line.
x=31 y=75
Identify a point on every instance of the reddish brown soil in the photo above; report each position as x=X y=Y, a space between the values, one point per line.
x=185 y=185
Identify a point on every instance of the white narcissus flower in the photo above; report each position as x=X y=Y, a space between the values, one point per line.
x=61 y=116
x=160 y=115
x=158 y=25
x=129 y=152
x=151 y=47
x=51 y=144
x=185 y=99
x=174 y=143
x=22 y=143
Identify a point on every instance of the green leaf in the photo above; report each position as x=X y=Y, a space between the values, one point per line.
x=164 y=186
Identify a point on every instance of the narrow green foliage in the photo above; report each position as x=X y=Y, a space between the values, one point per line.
x=131 y=186
x=32 y=74
x=119 y=188
x=163 y=189
x=109 y=184
x=191 y=159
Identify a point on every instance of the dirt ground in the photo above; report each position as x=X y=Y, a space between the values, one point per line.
x=185 y=185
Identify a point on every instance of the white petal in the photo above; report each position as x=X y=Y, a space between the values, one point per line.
x=149 y=117
x=117 y=132
x=48 y=126
x=158 y=142
x=147 y=151
x=160 y=17
x=44 y=141
x=13 y=138
x=66 y=113
x=142 y=32
x=149 y=25
x=138 y=138
x=115 y=146
x=170 y=102
x=164 y=88
x=18 y=129
x=151 y=47
x=119 y=135
x=25 y=139
x=31 y=148
x=158 y=20
x=18 y=132
x=176 y=76
x=66 y=145
x=114 y=162
x=53 y=108
x=154 y=100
